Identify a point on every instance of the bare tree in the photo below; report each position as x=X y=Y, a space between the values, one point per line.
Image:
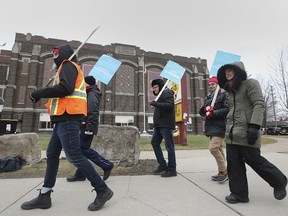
x=279 y=77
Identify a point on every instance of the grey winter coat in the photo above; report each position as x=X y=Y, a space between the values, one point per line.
x=246 y=105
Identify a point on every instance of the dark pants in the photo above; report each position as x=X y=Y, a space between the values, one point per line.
x=167 y=134
x=237 y=156
x=92 y=155
x=66 y=135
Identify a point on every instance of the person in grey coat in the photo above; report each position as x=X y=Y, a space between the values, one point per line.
x=243 y=137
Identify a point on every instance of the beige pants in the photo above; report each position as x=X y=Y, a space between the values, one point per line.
x=216 y=149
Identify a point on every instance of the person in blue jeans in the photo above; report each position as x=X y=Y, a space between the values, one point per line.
x=88 y=129
x=164 y=124
x=67 y=107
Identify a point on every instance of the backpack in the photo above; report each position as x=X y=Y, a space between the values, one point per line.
x=9 y=164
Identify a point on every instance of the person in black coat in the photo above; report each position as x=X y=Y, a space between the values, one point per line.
x=164 y=124
x=88 y=129
x=215 y=125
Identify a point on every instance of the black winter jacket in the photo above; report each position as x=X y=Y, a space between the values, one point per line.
x=164 y=115
x=216 y=125
x=93 y=106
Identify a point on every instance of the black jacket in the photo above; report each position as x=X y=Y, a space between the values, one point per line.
x=93 y=104
x=164 y=115
x=216 y=125
x=67 y=83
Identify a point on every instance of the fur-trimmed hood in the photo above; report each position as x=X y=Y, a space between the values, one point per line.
x=239 y=71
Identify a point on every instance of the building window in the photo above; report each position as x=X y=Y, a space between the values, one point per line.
x=124 y=120
x=200 y=82
x=188 y=86
x=25 y=66
x=44 y=122
x=49 y=72
x=125 y=80
x=2 y=87
x=21 y=96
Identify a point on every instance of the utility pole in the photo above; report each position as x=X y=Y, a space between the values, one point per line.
x=273 y=105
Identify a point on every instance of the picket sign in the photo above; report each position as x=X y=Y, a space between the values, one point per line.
x=105 y=68
x=222 y=58
x=172 y=72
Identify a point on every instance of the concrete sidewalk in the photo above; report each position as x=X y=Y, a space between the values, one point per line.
x=190 y=193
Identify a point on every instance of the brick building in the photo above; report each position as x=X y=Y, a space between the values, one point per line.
x=28 y=66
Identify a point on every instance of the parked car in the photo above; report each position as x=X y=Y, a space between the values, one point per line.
x=273 y=130
x=284 y=130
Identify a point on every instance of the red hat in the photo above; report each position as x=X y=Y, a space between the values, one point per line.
x=213 y=79
x=56 y=50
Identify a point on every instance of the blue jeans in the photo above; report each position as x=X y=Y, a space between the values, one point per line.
x=92 y=155
x=167 y=134
x=66 y=135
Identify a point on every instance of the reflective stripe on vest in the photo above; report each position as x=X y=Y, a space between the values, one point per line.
x=72 y=104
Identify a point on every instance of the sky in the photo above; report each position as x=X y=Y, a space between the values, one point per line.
x=253 y=29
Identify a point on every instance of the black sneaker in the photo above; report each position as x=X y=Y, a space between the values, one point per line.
x=43 y=201
x=280 y=192
x=222 y=178
x=74 y=178
x=215 y=177
x=169 y=173
x=107 y=173
x=160 y=169
x=233 y=200
x=101 y=198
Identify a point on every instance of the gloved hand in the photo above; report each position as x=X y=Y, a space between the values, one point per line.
x=88 y=133
x=209 y=114
x=33 y=98
x=155 y=104
x=252 y=135
x=209 y=109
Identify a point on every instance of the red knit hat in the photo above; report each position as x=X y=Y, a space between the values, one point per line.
x=213 y=79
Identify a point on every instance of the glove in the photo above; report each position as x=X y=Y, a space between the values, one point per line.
x=209 y=109
x=88 y=133
x=33 y=98
x=155 y=104
x=209 y=114
x=252 y=135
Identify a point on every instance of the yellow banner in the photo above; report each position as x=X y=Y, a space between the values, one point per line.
x=178 y=112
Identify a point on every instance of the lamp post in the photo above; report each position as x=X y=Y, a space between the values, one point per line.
x=144 y=113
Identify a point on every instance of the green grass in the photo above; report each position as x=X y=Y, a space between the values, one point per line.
x=194 y=142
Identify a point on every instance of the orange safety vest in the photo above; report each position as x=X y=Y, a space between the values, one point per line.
x=73 y=104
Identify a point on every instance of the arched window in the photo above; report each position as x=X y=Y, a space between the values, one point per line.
x=125 y=80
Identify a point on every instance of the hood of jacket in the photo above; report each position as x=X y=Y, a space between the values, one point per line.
x=65 y=51
x=237 y=67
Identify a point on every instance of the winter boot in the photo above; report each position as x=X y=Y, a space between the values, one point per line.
x=107 y=173
x=101 y=198
x=43 y=201
x=280 y=192
x=161 y=168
